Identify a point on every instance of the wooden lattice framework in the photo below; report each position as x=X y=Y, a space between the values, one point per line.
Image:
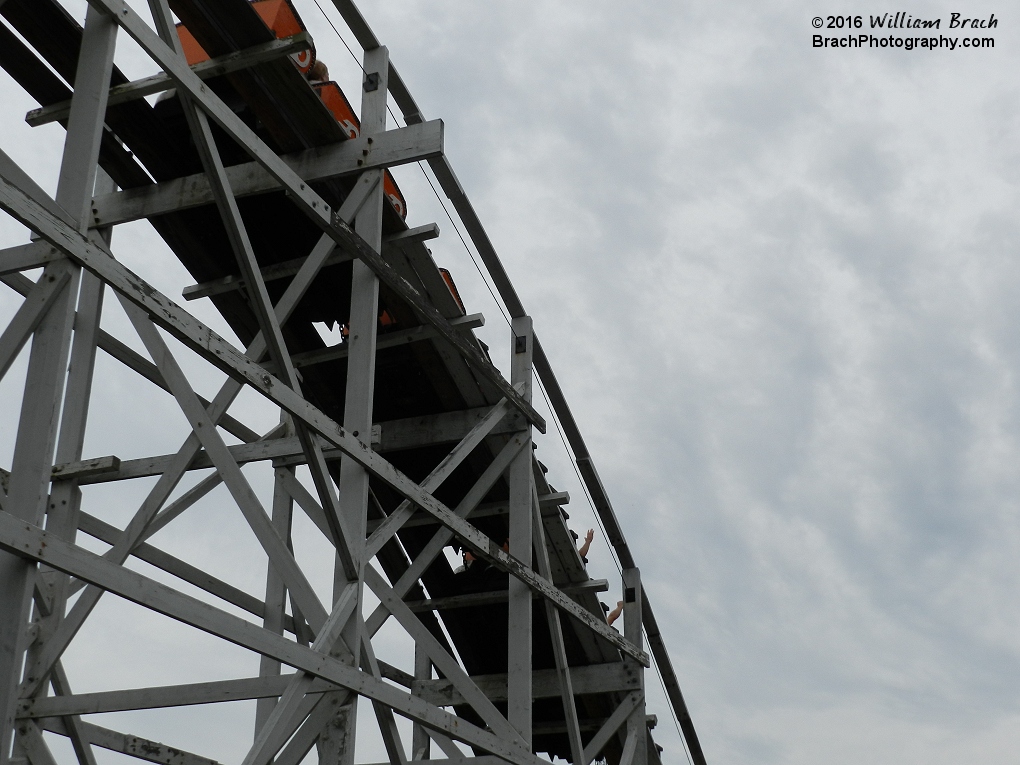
x=362 y=503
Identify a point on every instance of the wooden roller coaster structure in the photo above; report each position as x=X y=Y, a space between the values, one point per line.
x=396 y=443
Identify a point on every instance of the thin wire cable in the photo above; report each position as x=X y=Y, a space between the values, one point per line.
x=598 y=519
x=676 y=721
x=463 y=241
x=616 y=561
x=577 y=472
x=339 y=36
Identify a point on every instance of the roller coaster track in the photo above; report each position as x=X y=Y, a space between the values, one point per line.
x=398 y=442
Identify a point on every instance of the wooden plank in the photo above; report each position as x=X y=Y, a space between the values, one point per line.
x=86 y=468
x=395 y=520
x=242 y=453
x=500 y=596
x=291 y=267
x=30 y=741
x=520 y=615
x=214 y=67
x=548 y=502
x=428 y=430
x=27 y=256
x=555 y=624
x=48 y=291
x=394 y=435
x=389 y=340
x=592 y=679
x=637 y=729
x=233 y=282
x=125 y=743
x=389 y=149
x=159 y=697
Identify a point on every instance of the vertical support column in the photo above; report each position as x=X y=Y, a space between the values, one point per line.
x=27 y=497
x=85 y=123
x=364 y=319
x=336 y=744
x=65 y=495
x=44 y=386
x=637 y=730
x=519 y=679
x=65 y=500
x=420 y=742
x=276 y=590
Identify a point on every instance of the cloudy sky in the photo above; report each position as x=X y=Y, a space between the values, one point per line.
x=778 y=284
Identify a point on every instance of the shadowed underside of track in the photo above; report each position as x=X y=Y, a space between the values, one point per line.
x=145 y=145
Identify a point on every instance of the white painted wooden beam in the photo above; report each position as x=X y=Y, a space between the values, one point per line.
x=157 y=83
x=389 y=149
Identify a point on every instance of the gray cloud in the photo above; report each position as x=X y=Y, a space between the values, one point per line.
x=779 y=285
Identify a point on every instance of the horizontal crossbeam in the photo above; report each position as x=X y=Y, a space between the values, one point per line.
x=487 y=598
x=392 y=436
x=291 y=267
x=394 y=147
x=157 y=83
x=593 y=678
x=27 y=256
x=548 y=502
x=388 y=340
x=159 y=697
x=86 y=468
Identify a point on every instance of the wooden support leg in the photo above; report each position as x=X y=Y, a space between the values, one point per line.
x=637 y=731
x=33 y=453
x=519 y=702
x=338 y=749
x=276 y=590
x=420 y=741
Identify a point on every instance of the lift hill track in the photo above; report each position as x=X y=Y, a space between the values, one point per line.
x=273 y=193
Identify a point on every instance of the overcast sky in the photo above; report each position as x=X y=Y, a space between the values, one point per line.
x=779 y=286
